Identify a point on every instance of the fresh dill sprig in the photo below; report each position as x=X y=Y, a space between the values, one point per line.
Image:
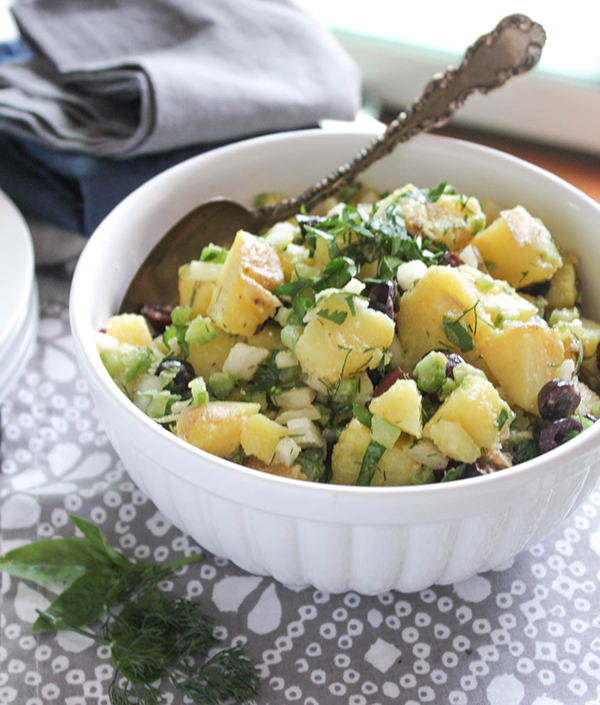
x=151 y=636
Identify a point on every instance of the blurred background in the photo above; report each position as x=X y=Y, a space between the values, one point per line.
x=399 y=46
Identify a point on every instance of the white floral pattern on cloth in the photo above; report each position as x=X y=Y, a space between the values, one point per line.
x=526 y=634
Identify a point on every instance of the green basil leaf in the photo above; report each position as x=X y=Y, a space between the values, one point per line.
x=312 y=462
x=337 y=317
x=96 y=539
x=82 y=602
x=454 y=473
x=362 y=414
x=458 y=334
x=57 y=560
x=369 y=464
x=433 y=194
x=291 y=288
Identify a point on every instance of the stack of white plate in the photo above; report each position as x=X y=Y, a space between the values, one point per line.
x=18 y=295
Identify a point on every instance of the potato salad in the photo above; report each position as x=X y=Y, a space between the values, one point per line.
x=405 y=338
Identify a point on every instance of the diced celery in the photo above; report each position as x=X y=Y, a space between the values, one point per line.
x=300 y=398
x=282 y=315
x=221 y=384
x=484 y=282
x=448 y=386
x=583 y=420
x=286 y=358
x=384 y=432
x=127 y=362
x=204 y=271
x=181 y=315
x=286 y=451
x=423 y=477
x=214 y=253
x=282 y=234
x=290 y=336
x=200 y=331
x=431 y=372
x=243 y=360
x=151 y=383
x=347 y=388
x=563 y=314
x=158 y=404
x=305 y=433
x=112 y=360
x=304 y=271
x=198 y=388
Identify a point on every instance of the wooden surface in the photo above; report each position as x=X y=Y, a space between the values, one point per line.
x=581 y=170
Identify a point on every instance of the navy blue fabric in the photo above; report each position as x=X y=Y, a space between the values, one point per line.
x=70 y=190
x=75 y=191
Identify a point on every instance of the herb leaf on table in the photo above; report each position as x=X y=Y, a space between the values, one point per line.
x=151 y=636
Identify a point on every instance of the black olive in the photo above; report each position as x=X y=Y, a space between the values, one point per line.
x=185 y=373
x=157 y=315
x=537 y=289
x=389 y=380
x=383 y=297
x=554 y=434
x=557 y=399
x=452 y=259
x=452 y=360
x=309 y=221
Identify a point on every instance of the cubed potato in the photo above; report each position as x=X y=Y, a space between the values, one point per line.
x=209 y=358
x=563 y=288
x=329 y=351
x=523 y=358
x=452 y=219
x=395 y=466
x=242 y=299
x=293 y=255
x=452 y=440
x=260 y=437
x=129 y=328
x=472 y=420
x=194 y=293
x=216 y=427
x=294 y=472
x=498 y=298
x=348 y=452
x=401 y=406
x=443 y=294
x=518 y=248
x=269 y=337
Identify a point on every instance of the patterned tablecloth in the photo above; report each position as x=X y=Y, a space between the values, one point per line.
x=527 y=633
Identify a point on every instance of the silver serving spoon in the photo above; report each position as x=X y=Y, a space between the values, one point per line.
x=512 y=48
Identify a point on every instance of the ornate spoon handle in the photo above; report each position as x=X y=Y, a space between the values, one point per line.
x=512 y=48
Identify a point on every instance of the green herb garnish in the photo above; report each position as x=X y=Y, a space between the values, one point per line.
x=334 y=316
x=369 y=463
x=151 y=636
x=454 y=473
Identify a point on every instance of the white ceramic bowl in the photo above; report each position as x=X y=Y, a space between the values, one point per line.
x=335 y=538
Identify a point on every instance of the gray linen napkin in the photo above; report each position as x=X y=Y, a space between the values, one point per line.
x=127 y=77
